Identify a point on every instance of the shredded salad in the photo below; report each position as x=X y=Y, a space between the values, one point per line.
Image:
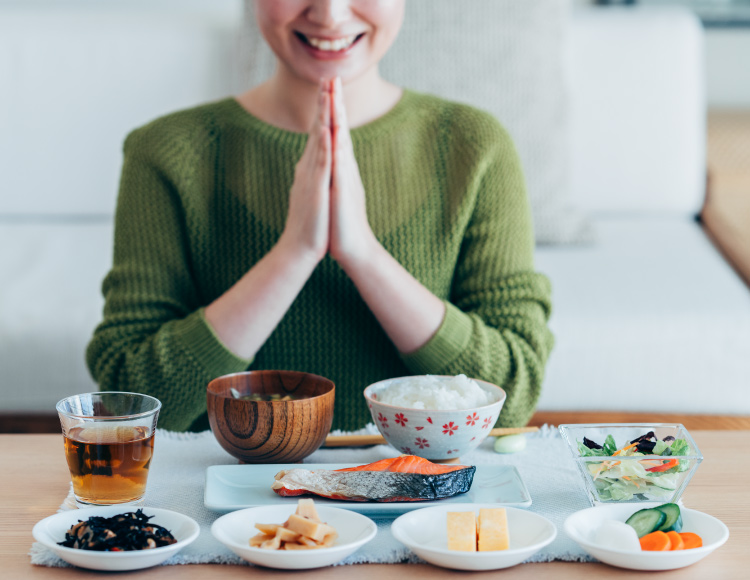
x=648 y=478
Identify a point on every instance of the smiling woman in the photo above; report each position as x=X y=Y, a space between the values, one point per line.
x=307 y=36
x=324 y=221
x=323 y=40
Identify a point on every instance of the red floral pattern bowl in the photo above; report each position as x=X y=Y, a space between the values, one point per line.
x=434 y=433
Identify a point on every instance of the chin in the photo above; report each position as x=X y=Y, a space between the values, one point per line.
x=346 y=73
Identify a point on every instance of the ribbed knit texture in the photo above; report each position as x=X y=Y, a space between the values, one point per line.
x=204 y=196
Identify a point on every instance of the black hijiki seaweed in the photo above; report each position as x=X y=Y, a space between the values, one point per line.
x=121 y=533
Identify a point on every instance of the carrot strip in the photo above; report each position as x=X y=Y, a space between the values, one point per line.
x=656 y=542
x=602 y=467
x=625 y=448
x=605 y=465
x=676 y=540
x=691 y=540
x=664 y=466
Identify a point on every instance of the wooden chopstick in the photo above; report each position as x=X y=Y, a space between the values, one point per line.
x=500 y=431
x=353 y=440
x=366 y=440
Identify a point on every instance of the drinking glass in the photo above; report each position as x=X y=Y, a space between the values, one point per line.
x=109 y=442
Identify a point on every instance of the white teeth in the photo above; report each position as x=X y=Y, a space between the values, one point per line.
x=331 y=45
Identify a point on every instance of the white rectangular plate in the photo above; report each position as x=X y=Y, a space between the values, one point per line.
x=234 y=487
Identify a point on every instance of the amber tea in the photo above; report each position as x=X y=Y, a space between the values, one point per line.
x=109 y=464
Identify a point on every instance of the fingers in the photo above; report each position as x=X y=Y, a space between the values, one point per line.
x=322 y=117
x=330 y=89
x=323 y=158
x=339 y=123
x=324 y=105
x=323 y=136
x=312 y=155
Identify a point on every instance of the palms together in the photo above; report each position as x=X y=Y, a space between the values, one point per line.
x=327 y=203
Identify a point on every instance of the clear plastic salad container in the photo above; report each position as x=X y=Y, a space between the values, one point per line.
x=617 y=468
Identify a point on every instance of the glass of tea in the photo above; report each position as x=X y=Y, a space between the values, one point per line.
x=109 y=441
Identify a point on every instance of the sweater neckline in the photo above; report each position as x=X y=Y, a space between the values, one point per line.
x=384 y=124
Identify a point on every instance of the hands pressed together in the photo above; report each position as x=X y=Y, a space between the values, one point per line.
x=327 y=212
x=327 y=215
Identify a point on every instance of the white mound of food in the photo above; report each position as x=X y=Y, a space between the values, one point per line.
x=615 y=535
x=431 y=392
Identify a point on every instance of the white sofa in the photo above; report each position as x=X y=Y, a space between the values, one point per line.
x=650 y=317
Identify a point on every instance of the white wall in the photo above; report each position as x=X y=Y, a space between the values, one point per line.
x=728 y=67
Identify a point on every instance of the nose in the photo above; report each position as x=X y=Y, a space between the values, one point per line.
x=329 y=13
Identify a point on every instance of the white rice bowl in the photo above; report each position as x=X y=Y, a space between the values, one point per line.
x=433 y=392
x=434 y=417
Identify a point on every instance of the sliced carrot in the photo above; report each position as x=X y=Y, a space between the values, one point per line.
x=656 y=542
x=676 y=540
x=691 y=540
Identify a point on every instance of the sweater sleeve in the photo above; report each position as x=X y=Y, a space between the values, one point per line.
x=495 y=324
x=154 y=338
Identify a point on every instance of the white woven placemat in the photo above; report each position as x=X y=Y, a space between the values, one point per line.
x=178 y=474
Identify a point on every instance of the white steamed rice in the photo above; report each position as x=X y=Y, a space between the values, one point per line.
x=431 y=392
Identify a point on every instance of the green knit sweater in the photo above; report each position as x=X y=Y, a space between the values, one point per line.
x=204 y=196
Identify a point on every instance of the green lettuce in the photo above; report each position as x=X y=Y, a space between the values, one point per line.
x=679 y=447
x=609 y=445
x=588 y=452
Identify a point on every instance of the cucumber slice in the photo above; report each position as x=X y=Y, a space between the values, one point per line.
x=673 y=523
x=646 y=521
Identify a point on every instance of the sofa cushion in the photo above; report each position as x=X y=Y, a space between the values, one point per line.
x=650 y=319
x=638 y=129
x=503 y=56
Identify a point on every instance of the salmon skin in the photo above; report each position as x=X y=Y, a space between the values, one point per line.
x=405 y=478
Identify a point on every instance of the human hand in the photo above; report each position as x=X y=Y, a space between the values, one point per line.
x=351 y=238
x=307 y=224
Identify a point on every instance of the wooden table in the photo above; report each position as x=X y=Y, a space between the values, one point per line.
x=34 y=481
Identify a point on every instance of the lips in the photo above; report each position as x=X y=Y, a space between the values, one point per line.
x=329 y=45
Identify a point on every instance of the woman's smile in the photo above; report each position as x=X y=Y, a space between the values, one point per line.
x=328 y=47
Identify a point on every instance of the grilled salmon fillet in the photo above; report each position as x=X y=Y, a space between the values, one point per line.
x=404 y=478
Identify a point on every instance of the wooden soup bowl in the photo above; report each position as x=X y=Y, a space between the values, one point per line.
x=270 y=431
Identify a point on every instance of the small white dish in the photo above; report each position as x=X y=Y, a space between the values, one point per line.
x=425 y=533
x=51 y=530
x=235 y=529
x=582 y=527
